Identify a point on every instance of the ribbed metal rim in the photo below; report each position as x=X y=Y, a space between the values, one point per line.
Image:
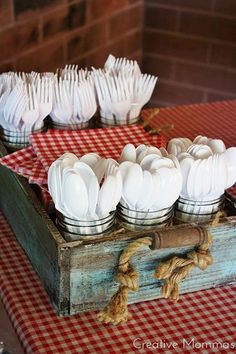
x=72 y=126
x=105 y=122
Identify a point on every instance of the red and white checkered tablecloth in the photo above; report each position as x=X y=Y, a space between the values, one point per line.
x=20 y=161
x=33 y=162
x=107 y=142
x=215 y=120
x=198 y=318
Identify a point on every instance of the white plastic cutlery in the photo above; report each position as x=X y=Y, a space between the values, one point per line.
x=128 y=153
x=132 y=184
x=146 y=195
x=91 y=183
x=74 y=186
x=75 y=195
x=106 y=196
x=206 y=166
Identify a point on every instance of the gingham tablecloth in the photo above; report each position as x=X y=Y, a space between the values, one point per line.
x=108 y=142
x=215 y=120
x=33 y=162
x=198 y=318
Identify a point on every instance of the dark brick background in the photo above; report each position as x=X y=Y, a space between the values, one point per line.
x=189 y=44
x=46 y=34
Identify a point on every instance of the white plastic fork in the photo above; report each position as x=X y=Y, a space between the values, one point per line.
x=44 y=95
x=123 y=100
x=31 y=114
x=11 y=104
x=103 y=96
x=62 y=105
x=87 y=101
x=142 y=91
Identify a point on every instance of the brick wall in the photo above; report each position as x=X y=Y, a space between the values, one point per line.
x=191 y=45
x=45 y=34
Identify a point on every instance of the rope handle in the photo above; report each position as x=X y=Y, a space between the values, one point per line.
x=172 y=271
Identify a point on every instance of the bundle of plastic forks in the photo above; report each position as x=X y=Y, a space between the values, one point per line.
x=74 y=101
x=122 y=91
x=25 y=100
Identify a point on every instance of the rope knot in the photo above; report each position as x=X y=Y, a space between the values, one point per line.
x=201 y=259
x=128 y=278
x=116 y=311
x=174 y=270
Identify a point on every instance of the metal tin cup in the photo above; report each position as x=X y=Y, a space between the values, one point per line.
x=16 y=140
x=113 y=121
x=143 y=220
x=73 y=229
x=197 y=211
x=72 y=126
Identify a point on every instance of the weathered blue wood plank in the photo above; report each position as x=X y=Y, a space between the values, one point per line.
x=93 y=269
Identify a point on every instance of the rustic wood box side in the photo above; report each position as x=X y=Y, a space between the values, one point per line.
x=35 y=232
x=93 y=268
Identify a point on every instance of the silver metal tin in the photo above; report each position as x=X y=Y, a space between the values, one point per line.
x=74 y=229
x=17 y=139
x=198 y=211
x=109 y=123
x=138 y=220
x=72 y=126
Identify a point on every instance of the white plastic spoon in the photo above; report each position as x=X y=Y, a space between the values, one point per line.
x=146 y=195
x=106 y=196
x=92 y=185
x=128 y=153
x=132 y=184
x=74 y=194
x=90 y=159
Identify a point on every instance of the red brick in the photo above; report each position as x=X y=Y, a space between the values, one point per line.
x=176 y=94
x=133 y=42
x=18 y=38
x=25 y=8
x=6 y=12
x=64 y=19
x=135 y=1
x=118 y=47
x=160 y=18
x=208 y=26
x=192 y=4
x=6 y=66
x=174 y=45
x=124 y=21
x=223 y=54
x=46 y=58
x=206 y=76
x=101 y=8
x=137 y=56
x=87 y=39
x=227 y=7
x=211 y=96
x=158 y=66
x=98 y=58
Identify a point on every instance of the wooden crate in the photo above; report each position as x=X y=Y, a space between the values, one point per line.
x=79 y=276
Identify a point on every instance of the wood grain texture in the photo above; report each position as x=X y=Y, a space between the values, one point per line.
x=93 y=268
x=33 y=229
